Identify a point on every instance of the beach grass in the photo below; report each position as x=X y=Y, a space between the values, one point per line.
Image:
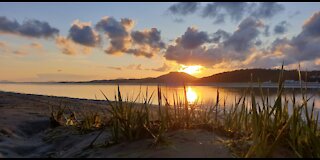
x=253 y=129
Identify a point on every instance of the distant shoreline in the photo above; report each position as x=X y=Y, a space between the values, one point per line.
x=216 y=84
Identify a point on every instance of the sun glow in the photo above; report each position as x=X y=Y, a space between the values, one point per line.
x=191 y=95
x=190 y=69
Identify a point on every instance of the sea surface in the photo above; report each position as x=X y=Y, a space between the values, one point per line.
x=205 y=94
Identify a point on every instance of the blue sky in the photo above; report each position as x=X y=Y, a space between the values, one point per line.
x=96 y=63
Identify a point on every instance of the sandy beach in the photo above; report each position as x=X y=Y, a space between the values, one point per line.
x=25 y=132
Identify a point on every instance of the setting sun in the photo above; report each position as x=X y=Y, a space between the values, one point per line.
x=190 y=69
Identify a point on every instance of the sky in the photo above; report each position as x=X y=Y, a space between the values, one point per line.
x=70 y=41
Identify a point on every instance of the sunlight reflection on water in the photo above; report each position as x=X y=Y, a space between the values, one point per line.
x=195 y=94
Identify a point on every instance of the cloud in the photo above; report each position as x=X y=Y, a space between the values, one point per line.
x=294 y=14
x=306 y=44
x=21 y=50
x=222 y=47
x=29 y=28
x=267 y=9
x=130 y=67
x=36 y=45
x=184 y=8
x=117 y=32
x=266 y=31
x=178 y=20
x=150 y=37
x=163 y=68
x=220 y=18
x=281 y=28
x=220 y=34
x=144 y=43
x=301 y=48
x=3 y=47
x=258 y=43
x=192 y=38
x=3 y=44
x=68 y=47
x=82 y=33
x=115 y=68
x=242 y=39
x=134 y=66
x=218 y=10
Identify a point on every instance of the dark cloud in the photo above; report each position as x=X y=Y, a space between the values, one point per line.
x=8 y=26
x=233 y=46
x=301 y=48
x=311 y=26
x=258 y=43
x=117 y=32
x=29 y=28
x=163 y=68
x=217 y=10
x=242 y=39
x=189 y=57
x=220 y=34
x=279 y=42
x=281 y=28
x=192 y=38
x=83 y=34
x=184 y=8
x=266 y=31
x=148 y=37
x=113 y=28
x=178 y=20
x=145 y=43
x=267 y=9
x=305 y=46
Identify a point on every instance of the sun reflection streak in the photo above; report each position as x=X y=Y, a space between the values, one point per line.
x=191 y=95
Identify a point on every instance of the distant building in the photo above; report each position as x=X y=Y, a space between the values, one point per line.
x=292 y=81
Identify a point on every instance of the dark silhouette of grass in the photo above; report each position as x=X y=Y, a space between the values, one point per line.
x=257 y=130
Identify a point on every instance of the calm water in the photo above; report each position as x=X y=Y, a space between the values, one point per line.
x=204 y=94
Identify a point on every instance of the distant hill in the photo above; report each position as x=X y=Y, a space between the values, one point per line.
x=179 y=77
x=237 y=76
x=262 y=75
x=170 y=78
